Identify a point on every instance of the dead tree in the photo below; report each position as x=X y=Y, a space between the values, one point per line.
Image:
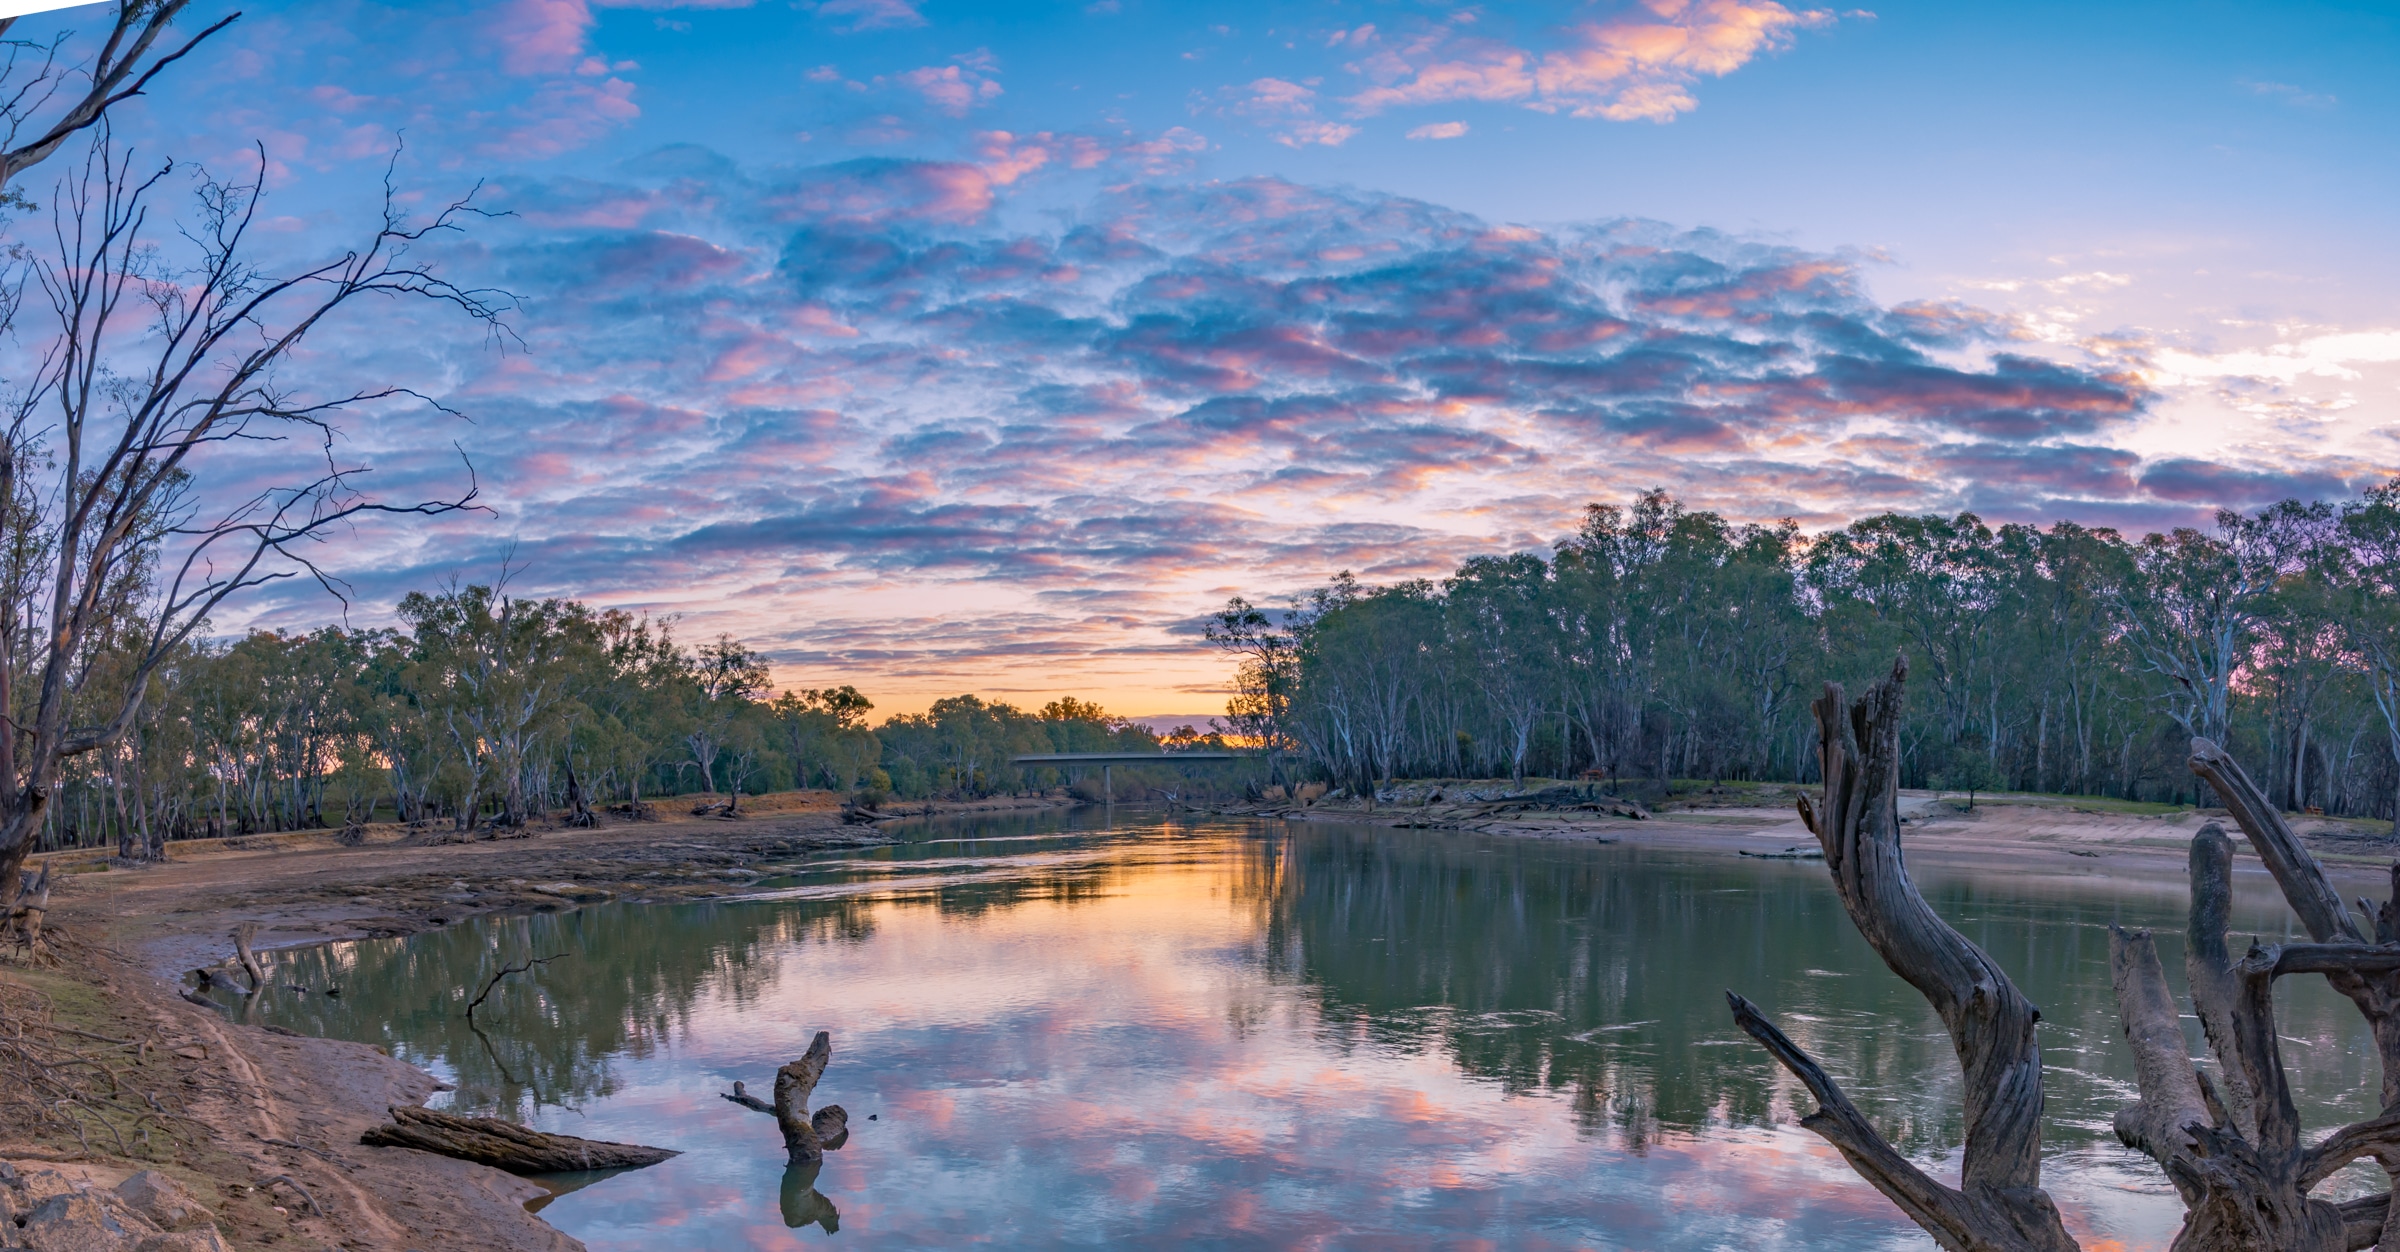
x=807 y=1137
x=2231 y=1143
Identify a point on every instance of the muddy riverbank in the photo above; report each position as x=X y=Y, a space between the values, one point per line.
x=261 y=1125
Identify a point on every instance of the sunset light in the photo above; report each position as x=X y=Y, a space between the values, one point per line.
x=1666 y=625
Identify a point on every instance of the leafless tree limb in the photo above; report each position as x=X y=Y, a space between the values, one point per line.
x=148 y=365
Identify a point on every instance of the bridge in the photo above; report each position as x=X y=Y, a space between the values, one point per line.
x=1108 y=783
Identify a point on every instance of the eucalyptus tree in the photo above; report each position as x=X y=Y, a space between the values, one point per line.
x=634 y=703
x=1266 y=655
x=1364 y=664
x=1758 y=641
x=719 y=681
x=1497 y=615
x=154 y=347
x=824 y=731
x=1600 y=579
x=2066 y=651
x=1932 y=584
x=2192 y=607
x=2364 y=572
x=497 y=671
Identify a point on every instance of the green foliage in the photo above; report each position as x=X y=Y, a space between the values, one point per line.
x=486 y=709
x=1661 y=643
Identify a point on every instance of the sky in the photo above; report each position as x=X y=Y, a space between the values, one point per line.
x=943 y=347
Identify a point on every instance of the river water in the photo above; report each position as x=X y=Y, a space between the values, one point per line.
x=1077 y=1031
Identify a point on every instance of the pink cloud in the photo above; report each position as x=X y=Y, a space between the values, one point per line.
x=541 y=36
x=873 y=14
x=1007 y=157
x=1289 y=109
x=1172 y=151
x=898 y=191
x=566 y=114
x=1315 y=133
x=1633 y=67
x=953 y=89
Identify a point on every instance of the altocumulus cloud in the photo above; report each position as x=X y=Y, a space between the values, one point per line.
x=820 y=395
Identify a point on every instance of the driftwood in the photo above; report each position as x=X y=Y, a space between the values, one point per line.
x=210 y=980
x=2230 y=1143
x=504 y=1145
x=1999 y=1202
x=242 y=935
x=807 y=1136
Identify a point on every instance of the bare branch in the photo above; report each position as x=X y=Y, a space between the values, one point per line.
x=2377 y=1136
x=1944 y=1212
x=105 y=78
x=2303 y=880
x=2208 y=969
x=2171 y=1098
x=505 y=971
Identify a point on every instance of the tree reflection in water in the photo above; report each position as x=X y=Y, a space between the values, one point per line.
x=558 y=1034
x=1549 y=967
x=1058 y=993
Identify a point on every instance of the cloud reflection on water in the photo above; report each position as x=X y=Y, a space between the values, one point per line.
x=1332 y=1039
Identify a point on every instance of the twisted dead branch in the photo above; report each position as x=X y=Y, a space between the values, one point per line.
x=2231 y=1142
x=807 y=1136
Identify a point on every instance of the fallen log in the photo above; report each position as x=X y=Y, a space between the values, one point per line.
x=504 y=1145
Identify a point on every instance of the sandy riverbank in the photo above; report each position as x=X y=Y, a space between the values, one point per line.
x=2038 y=833
x=263 y=1126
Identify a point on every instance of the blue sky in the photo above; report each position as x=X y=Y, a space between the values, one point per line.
x=944 y=347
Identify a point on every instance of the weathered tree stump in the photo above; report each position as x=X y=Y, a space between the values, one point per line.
x=242 y=935
x=504 y=1145
x=806 y=1137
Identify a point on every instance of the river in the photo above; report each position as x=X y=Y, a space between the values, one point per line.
x=1086 y=1029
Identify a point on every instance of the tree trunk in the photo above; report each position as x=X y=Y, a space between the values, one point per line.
x=2232 y=1146
x=2000 y=1203
x=504 y=1145
x=578 y=812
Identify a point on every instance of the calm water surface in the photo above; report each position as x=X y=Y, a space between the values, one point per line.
x=1215 y=1034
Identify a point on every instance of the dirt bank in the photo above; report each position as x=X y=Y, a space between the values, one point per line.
x=2045 y=833
x=263 y=1126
